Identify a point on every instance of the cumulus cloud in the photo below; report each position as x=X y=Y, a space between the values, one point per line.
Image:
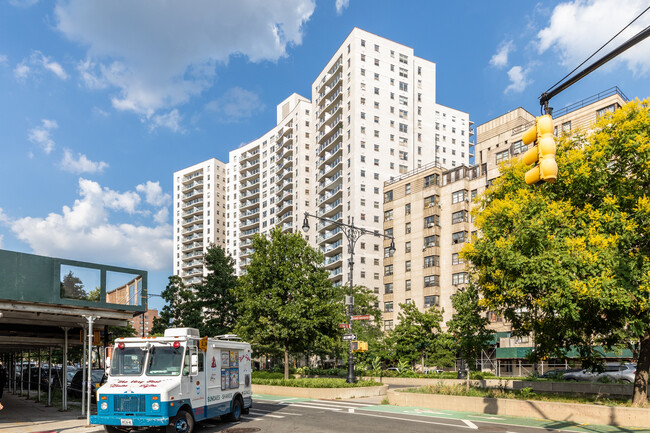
x=84 y=231
x=40 y=135
x=80 y=164
x=236 y=104
x=500 y=58
x=340 y=5
x=159 y=55
x=578 y=28
x=518 y=79
x=37 y=63
x=171 y=120
x=3 y=59
x=161 y=216
x=154 y=194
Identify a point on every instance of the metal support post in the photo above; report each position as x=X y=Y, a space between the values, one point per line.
x=49 y=376
x=64 y=373
x=40 y=375
x=90 y=366
x=83 y=375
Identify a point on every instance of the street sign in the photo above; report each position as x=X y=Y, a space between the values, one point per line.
x=344 y=325
x=203 y=344
x=362 y=317
x=349 y=337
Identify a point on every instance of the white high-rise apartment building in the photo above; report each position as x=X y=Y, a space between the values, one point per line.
x=271 y=180
x=199 y=216
x=376 y=119
x=373 y=116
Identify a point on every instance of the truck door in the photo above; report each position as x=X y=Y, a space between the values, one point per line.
x=198 y=382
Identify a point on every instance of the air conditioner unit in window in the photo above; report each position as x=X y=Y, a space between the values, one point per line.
x=430 y=225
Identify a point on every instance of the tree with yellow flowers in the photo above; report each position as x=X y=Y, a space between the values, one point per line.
x=569 y=262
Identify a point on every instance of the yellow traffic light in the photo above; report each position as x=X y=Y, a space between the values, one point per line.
x=359 y=346
x=543 y=151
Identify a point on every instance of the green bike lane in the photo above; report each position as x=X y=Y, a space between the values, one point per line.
x=481 y=418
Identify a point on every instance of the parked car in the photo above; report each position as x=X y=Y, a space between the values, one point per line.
x=98 y=378
x=70 y=372
x=559 y=373
x=614 y=371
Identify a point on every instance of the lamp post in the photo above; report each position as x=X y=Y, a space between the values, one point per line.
x=352 y=233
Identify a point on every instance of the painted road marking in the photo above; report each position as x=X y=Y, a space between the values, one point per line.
x=412 y=420
x=470 y=424
x=486 y=417
x=334 y=409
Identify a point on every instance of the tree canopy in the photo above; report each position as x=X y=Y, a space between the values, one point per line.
x=285 y=297
x=569 y=262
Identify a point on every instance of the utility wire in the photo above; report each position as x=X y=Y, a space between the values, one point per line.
x=596 y=52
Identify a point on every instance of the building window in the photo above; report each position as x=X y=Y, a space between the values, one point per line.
x=518 y=147
x=432 y=241
x=388 y=252
x=458 y=196
x=388 y=288
x=407 y=247
x=407 y=266
x=430 y=261
x=566 y=128
x=388 y=270
x=460 y=278
x=431 y=301
x=407 y=188
x=430 y=201
x=459 y=237
x=407 y=209
x=388 y=325
x=608 y=109
x=431 y=221
x=388 y=307
x=403 y=86
x=459 y=217
x=503 y=156
x=403 y=127
x=456 y=259
x=432 y=281
x=388 y=215
x=408 y=228
x=408 y=285
x=432 y=179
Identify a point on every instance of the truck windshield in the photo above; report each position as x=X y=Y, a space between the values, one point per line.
x=128 y=361
x=164 y=361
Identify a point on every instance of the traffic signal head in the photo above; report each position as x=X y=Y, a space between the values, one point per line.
x=542 y=152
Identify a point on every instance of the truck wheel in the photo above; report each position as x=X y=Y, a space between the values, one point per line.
x=235 y=414
x=183 y=422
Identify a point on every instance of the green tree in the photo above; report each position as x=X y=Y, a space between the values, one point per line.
x=365 y=303
x=570 y=262
x=285 y=297
x=181 y=308
x=468 y=324
x=418 y=336
x=214 y=296
x=72 y=287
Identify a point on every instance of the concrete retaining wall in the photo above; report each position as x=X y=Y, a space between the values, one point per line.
x=580 y=413
x=325 y=393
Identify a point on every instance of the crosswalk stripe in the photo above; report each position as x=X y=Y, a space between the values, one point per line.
x=334 y=409
x=347 y=403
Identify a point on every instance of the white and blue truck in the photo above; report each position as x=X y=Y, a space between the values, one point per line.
x=174 y=381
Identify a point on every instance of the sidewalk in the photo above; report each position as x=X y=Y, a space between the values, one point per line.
x=27 y=416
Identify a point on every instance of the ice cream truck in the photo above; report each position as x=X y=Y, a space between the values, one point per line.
x=174 y=381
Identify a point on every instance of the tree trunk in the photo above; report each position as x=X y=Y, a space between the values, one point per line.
x=422 y=362
x=286 y=362
x=640 y=395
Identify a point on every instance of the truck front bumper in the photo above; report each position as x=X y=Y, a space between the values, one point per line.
x=136 y=421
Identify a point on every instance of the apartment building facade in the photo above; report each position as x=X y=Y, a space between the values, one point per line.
x=199 y=216
x=428 y=211
x=143 y=323
x=376 y=118
x=271 y=180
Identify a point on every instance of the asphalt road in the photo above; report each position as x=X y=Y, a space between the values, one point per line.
x=325 y=416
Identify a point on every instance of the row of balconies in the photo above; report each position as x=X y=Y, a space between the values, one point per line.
x=192 y=211
x=190 y=273
x=329 y=207
x=249 y=173
x=282 y=194
x=193 y=228
x=247 y=164
x=330 y=180
x=192 y=219
x=333 y=259
x=192 y=202
x=327 y=168
x=332 y=246
x=328 y=114
x=249 y=154
x=193 y=263
x=329 y=234
x=331 y=153
x=193 y=193
x=250 y=212
x=329 y=129
x=189 y=177
x=192 y=237
x=285 y=151
x=249 y=193
x=249 y=183
x=329 y=141
x=192 y=185
x=193 y=245
x=250 y=232
x=192 y=254
x=330 y=194
x=322 y=224
x=193 y=280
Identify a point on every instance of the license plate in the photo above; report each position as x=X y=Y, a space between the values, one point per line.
x=126 y=421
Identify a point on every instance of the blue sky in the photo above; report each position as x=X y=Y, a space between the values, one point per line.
x=101 y=101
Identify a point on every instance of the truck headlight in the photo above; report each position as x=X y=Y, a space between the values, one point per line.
x=155 y=406
x=104 y=405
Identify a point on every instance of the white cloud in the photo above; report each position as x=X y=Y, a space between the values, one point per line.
x=340 y=5
x=81 y=164
x=3 y=59
x=84 y=231
x=4 y=219
x=160 y=54
x=518 y=79
x=36 y=63
x=1 y=238
x=236 y=104
x=171 y=120
x=577 y=29
x=41 y=135
x=161 y=216
x=500 y=58
x=154 y=194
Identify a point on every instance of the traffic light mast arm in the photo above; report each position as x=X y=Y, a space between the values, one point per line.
x=546 y=96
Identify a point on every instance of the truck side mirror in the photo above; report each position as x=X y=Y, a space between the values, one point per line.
x=195 y=365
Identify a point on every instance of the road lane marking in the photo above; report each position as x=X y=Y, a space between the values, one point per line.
x=470 y=424
x=334 y=409
x=412 y=420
